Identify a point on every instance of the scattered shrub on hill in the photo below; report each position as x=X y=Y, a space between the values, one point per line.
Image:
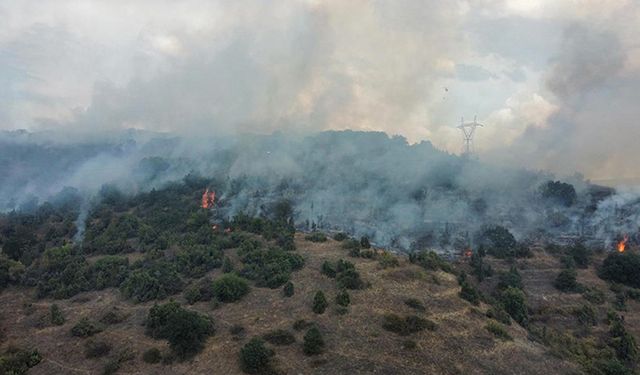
x=55 y=315
x=113 y=316
x=340 y=236
x=364 y=242
x=227 y=265
x=622 y=341
x=430 y=261
x=61 y=272
x=271 y=267
x=313 y=342
x=255 y=357
x=328 y=269
x=511 y=278
x=580 y=254
x=152 y=356
x=196 y=260
x=469 y=293
x=622 y=268
x=316 y=237
x=11 y=271
x=86 y=327
x=288 y=289
x=387 y=260
x=566 y=281
x=559 y=192
x=16 y=361
x=301 y=324
x=230 y=288
x=407 y=325
x=498 y=241
x=594 y=295
x=498 y=331
x=415 y=303
x=108 y=272
x=480 y=270
x=497 y=313
x=185 y=330
x=586 y=315
x=200 y=291
x=342 y=298
x=279 y=337
x=514 y=303
x=155 y=281
x=96 y=348
x=319 y=303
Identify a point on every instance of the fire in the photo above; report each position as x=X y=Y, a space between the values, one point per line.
x=208 y=198
x=622 y=245
x=468 y=253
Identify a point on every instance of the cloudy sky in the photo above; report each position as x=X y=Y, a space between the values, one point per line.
x=554 y=81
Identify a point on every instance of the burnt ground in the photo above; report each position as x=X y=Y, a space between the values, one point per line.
x=356 y=342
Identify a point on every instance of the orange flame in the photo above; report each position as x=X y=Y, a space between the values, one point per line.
x=208 y=198
x=622 y=245
x=468 y=253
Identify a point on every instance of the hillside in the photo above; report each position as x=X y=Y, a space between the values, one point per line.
x=160 y=285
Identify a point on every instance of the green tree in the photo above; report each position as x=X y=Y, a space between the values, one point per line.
x=55 y=315
x=566 y=280
x=342 y=298
x=230 y=288
x=255 y=357
x=288 y=289
x=313 y=342
x=514 y=303
x=319 y=303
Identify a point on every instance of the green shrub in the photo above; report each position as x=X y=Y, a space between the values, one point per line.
x=271 y=267
x=499 y=242
x=255 y=357
x=86 y=327
x=155 y=281
x=415 y=303
x=301 y=324
x=288 y=289
x=340 y=236
x=15 y=361
x=316 y=237
x=200 y=291
x=387 y=260
x=610 y=367
x=497 y=313
x=498 y=331
x=469 y=293
x=313 y=342
x=566 y=281
x=409 y=345
x=96 y=349
x=622 y=341
x=230 y=288
x=511 y=278
x=319 y=303
x=580 y=254
x=328 y=269
x=364 y=242
x=55 y=315
x=108 y=272
x=407 y=325
x=623 y=268
x=279 y=337
x=349 y=279
x=513 y=302
x=152 y=356
x=586 y=315
x=595 y=296
x=430 y=261
x=227 y=265
x=559 y=192
x=113 y=316
x=342 y=298
x=185 y=330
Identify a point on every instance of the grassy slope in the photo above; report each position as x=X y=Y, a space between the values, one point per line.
x=356 y=343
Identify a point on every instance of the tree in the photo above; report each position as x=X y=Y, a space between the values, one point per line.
x=622 y=268
x=319 y=303
x=313 y=342
x=566 y=280
x=230 y=288
x=469 y=293
x=580 y=254
x=511 y=278
x=559 y=192
x=55 y=315
x=364 y=242
x=499 y=242
x=227 y=265
x=255 y=357
x=288 y=289
x=513 y=302
x=342 y=298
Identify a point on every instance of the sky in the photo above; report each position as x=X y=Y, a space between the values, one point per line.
x=555 y=82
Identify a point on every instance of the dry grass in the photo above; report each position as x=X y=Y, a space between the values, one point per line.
x=356 y=342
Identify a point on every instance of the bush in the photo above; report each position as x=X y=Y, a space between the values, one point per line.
x=342 y=298
x=96 y=349
x=316 y=237
x=328 y=269
x=415 y=303
x=279 y=337
x=349 y=279
x=566 y=281
x=407 y=325
x=610 y=367
x=255 y=358
x=313 y=342
x=622 y=341
x=113 y=316
x=469 y=293
x=152 y=356
x=227 y=265
x=108 y=272
x=319 y=303
x=201 y=291
x=301 y=324
x=623 y=268
x=430 y=261
x=270 y=267
x=580 y=254
x=409 y=345
x=156 y=281
x=185 y=330
x=498 y=331
x=230 y=288
x=513 y=302
x=340 y=236
x=586 y=315
x=15 y=361
x=497 y=313
x=86 y=327
x=510 y=279
x=499 y=242
x=387 y=260
x=55 y=315
x=595 y=296
x=288 y=289
x=364 y=242
x=559 y=192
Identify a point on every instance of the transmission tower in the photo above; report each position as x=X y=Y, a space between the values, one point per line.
x=469 y=130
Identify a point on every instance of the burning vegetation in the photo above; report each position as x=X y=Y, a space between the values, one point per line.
x=208 y=199
x=622 y=244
